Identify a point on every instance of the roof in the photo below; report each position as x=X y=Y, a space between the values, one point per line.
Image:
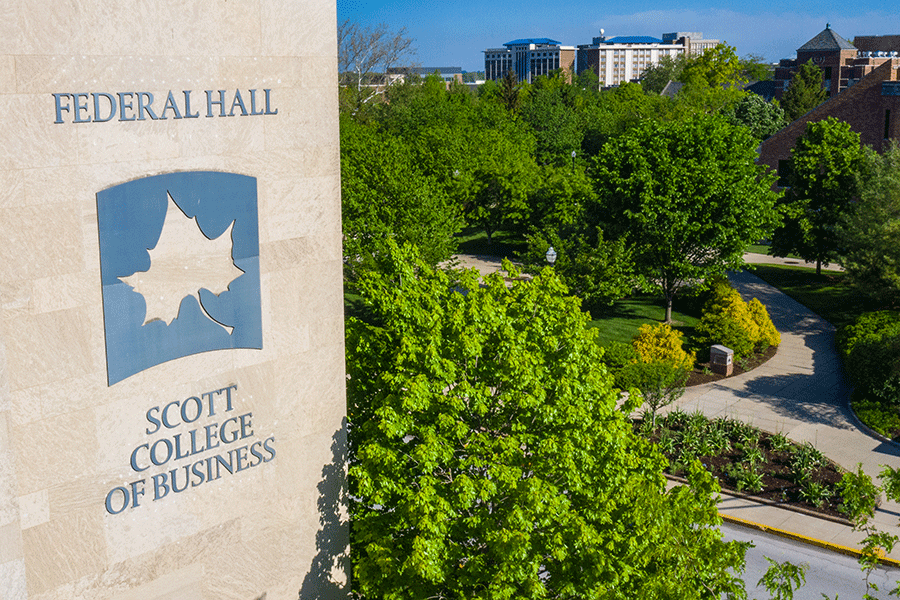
x=827 y=40
x=527 y=41
x=766 y=89
x=633 y=39
x=672 y=88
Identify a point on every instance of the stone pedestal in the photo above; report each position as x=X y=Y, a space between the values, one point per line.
x=721 y=360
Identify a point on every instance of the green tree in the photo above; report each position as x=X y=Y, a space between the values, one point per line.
x=870 y=235
x=805 y=92
x=824 y=173
x=655 y=77
x=597 y=271
x=763 y=118
x=482 y=156
x=489 y=459
x=386 y=196
x=688 y=195
x=501 y=179
x=715 y=67
x=509 y=91
x=551 y=115
x=755 y=68
x=588 y=81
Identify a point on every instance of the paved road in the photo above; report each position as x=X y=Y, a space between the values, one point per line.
x=827 y=572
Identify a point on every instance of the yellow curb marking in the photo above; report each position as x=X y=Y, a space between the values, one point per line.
x=807 y=540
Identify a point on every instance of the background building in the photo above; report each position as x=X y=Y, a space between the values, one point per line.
x=692 y=41
x=871 y=107
x=843 y=64
x=448 y=74
x=528 y=58
x=620 y=59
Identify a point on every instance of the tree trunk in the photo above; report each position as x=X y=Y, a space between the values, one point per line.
x=669 y=309
x=818 y=266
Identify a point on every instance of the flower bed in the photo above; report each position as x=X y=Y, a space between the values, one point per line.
x=747 y=460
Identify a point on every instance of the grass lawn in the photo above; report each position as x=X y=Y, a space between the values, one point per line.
x=620 y=323
x=828 y=294
x=764 y=249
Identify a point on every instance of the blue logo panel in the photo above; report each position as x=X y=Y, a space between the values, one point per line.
x=131 y=217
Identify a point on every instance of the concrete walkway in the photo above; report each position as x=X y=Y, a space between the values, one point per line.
x=801 y=392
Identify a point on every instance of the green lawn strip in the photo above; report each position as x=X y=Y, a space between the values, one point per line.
x=764 y=249
x=828 y=295
x=620 y=323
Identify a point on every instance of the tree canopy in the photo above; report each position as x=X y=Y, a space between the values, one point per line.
x=805 y=92
x=718 y=66
x=489 y=458
x=870 y=235
x=823 y=176
x=385 y=195
x=763 y=118
x=687 y=195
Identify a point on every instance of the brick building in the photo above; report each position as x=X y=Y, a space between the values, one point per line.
x=871 y=107
x=843 y=63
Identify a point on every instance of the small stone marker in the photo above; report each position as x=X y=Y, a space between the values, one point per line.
x=721 y=360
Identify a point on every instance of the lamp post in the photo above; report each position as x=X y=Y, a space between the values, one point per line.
x=551 y=256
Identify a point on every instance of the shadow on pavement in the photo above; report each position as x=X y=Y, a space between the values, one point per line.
x=819 y=395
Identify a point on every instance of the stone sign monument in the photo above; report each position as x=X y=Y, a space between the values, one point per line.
x=171 y=325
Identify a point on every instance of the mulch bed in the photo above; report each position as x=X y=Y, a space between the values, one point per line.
x=780 y=484
x=702 y=372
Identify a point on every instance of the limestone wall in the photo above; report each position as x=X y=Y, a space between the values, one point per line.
x=94 y=94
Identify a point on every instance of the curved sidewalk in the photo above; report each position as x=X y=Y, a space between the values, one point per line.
x=803 y=393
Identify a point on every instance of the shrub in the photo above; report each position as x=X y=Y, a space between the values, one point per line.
x=661 y=343
x=860 y=496
x=617 y=355
x=744 y=327
x=881 y=418
x=660 y=383
x=867 y=326
x=722 y=328
x=768 y=335
x=871 y=351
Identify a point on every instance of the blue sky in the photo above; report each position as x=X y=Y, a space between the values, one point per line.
x=454 y=33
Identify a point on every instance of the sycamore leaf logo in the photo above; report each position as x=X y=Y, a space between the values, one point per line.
x=179 y=267
x=183 y=262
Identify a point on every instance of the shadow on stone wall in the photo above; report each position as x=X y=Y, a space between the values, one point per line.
x=333 y=537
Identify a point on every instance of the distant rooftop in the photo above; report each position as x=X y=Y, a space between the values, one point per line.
x=827 y=40
x=424 y=70
x=537 y=41
x=633 y=39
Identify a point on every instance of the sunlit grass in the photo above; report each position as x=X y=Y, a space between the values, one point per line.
x=621 y=322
